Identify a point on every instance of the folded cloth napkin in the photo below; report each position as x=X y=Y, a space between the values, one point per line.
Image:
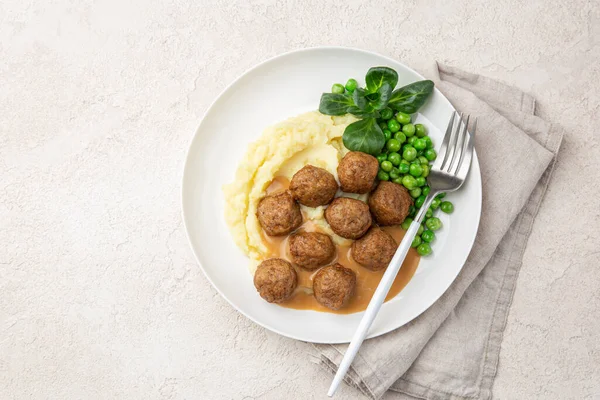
x=451 y=350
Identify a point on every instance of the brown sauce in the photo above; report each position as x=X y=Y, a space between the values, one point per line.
x=366 y=280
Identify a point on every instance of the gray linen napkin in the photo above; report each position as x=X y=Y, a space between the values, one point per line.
x=451 y=350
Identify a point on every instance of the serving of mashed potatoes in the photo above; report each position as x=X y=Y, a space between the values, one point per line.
x=283 y=149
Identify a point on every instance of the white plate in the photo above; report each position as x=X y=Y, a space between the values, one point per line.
x=277 y=89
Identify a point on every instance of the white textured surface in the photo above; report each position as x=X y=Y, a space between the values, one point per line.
x=100 y=296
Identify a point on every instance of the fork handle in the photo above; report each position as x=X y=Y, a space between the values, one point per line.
x=374 y=305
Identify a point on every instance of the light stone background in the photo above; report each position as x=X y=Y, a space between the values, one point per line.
x=100 y=296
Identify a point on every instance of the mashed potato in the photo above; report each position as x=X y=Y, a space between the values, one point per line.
x=282 y=150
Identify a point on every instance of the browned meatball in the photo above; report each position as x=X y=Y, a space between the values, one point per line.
x=374 y=250
x=279 y=214
x=390 y=203
x=313 y=186
x=333 y=286
x=275 y=279
x=357 y=172
x=311 y=250
x=349 y=218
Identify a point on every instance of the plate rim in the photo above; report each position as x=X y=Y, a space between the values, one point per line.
x=187 y=161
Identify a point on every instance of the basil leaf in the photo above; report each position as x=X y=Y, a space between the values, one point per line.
x=377 y=76
x=364 y=135
x=384 y=93
x=335 y=103
x=410 y=98
x=369 y=111
x=371 y=97
x=359 y=98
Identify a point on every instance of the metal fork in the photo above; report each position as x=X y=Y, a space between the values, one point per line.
x=447 y=174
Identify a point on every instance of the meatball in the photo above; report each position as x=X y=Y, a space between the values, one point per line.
x=334 y=285
x=374 y=250
x=275 y=279
x=313 y=186
x=357 y=172
x=390 y=203
x=349 y=218
x=279 y=214
x=311 y=250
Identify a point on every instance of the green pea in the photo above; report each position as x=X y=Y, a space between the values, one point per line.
x=351 y=85
x=433 y=223
x=429 y=213
x=403 y=168
x=429 y=142
x=397 y=180
x=403 y=161
x=441 y=195
x=383 y=125
x=337 y=88
x=394 y=174
x=416 y=192
x=394 y=158
x=420 y=231
x=447 y=207
x=387 y=113
x=411 y=140
x=421 y=181
x=420 y=144
x=428 y=236
x=426 y=190
x=383 y=176
x=415 y=169
x=426 y=170
x=399 y=136
x=409 y=130
x=420 y=130
x=382 y=157
x=409 y=182
x=386 y=166
x=424 y=249
x=435 y=204
x=393 y=145
x=406 y=223
x=387 y=134
x=423 y=160
x=416 y=242
x=409 y=153
x=403 y=118
x=430 y=154
x=420 y=200
x=412 y=211
x=393 y=125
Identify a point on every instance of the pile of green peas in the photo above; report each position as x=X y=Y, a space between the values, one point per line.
x=405 y=160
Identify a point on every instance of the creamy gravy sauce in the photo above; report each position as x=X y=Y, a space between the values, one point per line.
x=366 y=280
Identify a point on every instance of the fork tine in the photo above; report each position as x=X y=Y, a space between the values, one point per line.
x=452 y=145
x=460 y=146
x=442 y=152
x=465 y=162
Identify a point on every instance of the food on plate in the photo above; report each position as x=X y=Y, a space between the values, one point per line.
x=390 y=203
x=349 y=218
x=313 y=186
x=311 y=250
x=275 y=279
x=279 y=214
x=374 y=250
x=357 y=172
x=334 y=285
x=281 y=151
x=336 y=186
